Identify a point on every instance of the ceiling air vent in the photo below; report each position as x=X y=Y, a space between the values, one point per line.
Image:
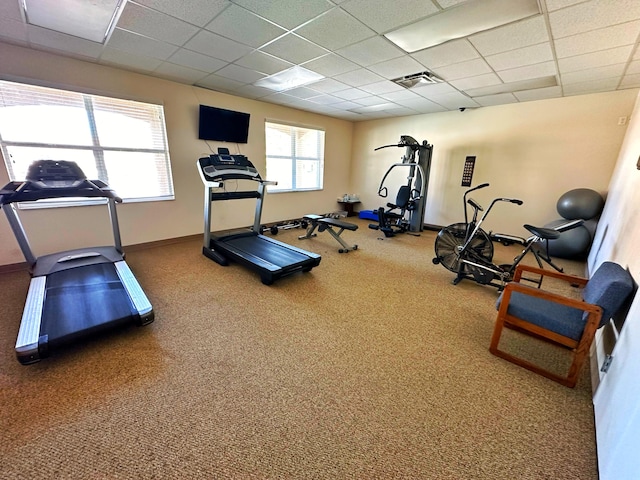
x=417 y=79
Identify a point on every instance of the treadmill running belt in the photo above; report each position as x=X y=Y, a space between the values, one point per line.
x=81 y=302
x=264 y=249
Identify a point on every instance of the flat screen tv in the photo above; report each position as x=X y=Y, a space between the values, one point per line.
x=223 y=125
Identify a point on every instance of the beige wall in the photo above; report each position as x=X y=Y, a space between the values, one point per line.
x=534 y=151
x=618 y=234
x=51 y=230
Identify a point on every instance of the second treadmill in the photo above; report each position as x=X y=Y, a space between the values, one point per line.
x=271 y=258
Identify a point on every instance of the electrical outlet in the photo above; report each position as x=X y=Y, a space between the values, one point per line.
x=622 y=120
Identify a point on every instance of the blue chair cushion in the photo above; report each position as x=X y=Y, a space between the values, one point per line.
x=544 y=313
x=608 y=288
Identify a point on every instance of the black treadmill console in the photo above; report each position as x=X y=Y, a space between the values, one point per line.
x=55 y=174
x=222 y=166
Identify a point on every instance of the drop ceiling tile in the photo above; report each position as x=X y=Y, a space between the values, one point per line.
x=397 y=67
x=56 y=41
x=153 y=24
x=558 y=4
x=294 y=49
x=370 y=100
x=197 y=12
x=303 y=104
x=302 y=92
x=595 y=59
x=595 y=40
x=593 y=74
x=450 y=3
x=196 y=60
x=630 y=81
x=370 y=51
x=530 y=71
x=470 y=68
x=538 y=94
x=384 y=15
x=384 y=86
x=359 y=77
x=521 y=57
x=254 y=32
x=424 y=105
x=288 y=15
x=454 y=100
x=595 y=86
x=128 y=60
x=404 y=94
x=591 y=16
x=351 y=94
x=510 y=37
x=478 y=81
x=216 y=46
x=263 y=62
x=330 y=65
x=456 y=51
x=346 y=105
x=239 y=74
x=412 y=101
x=251 y=91
x=335 y=29
x=140 y=45
x=435 y=90
x=179 y=73
x=280 y=98
x=216 y=82
x=329 y=85
x=500 y=99
x=400 y=111
x=325 y=99
x=373 y=108
x=633 y=68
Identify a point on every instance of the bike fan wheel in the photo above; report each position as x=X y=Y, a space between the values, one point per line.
x=451 y=239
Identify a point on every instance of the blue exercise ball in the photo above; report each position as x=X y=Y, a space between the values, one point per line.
x=580 y=203
x=572 y=243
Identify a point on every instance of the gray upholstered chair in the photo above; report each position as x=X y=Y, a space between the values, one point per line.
x=561 y=320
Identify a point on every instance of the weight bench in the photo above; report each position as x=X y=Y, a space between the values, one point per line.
x=327 y=223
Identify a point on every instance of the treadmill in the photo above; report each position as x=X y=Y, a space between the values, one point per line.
x=271 y=258
x=78 y=293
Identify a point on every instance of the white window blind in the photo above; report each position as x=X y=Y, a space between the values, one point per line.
x=295 y=157
x=120 y=142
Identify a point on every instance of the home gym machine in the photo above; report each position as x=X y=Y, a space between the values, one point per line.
x=271 y=258
x=407 y=213
x=77 y=293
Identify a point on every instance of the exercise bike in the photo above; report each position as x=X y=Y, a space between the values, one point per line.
x=467 y=250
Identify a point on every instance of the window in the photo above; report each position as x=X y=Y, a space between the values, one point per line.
x=120 y=142
x=295 y=157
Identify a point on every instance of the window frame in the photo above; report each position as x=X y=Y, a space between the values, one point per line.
x=158 y=128
x=294 y=157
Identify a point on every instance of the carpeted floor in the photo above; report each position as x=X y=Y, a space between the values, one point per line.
x=371 y=366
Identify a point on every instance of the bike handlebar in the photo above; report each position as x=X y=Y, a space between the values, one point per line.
x=477 y=187
x=510 y=200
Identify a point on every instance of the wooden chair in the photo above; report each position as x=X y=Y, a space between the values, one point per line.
x=561 y=320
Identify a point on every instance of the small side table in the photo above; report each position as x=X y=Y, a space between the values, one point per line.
x=348 y=206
